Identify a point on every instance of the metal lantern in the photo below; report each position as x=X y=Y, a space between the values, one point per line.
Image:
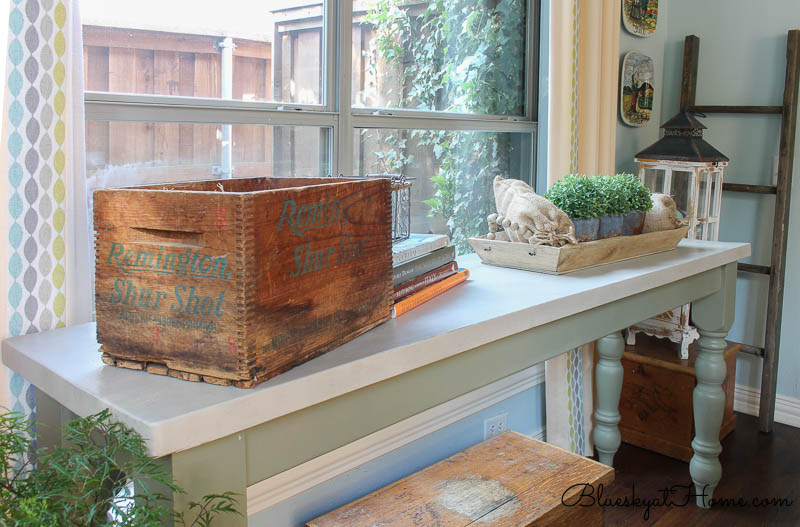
x=684 y=166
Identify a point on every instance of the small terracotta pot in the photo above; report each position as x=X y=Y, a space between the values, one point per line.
x=610 y=226
x=633 y=223
x=586 y=230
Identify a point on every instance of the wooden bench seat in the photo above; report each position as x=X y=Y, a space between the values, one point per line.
x=509 y=480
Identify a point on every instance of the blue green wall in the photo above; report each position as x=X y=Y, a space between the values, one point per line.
x=742 y=62
x=630 y=139
x=525 y=414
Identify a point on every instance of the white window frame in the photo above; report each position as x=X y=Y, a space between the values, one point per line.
x=336 y=111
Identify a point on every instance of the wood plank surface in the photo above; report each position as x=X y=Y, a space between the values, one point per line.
x=755 y=189
x=153 y=304
x=508 y=480
x=126 y=38
x=754 y=466
x=752 y=350
x=780 y=232
x=130 y=71
x=306 y=265
x=251 y=142
x=691 y=52
x=738 y=109
x=555 y=260
x=96 y=79
x=166 y=81
x=752 y=268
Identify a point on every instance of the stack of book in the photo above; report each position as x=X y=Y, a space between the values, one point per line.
x=424 y=267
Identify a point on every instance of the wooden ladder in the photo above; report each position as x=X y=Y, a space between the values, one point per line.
x=782 y=192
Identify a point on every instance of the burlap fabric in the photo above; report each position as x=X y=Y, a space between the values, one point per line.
x=663 y=216
x=528 y=217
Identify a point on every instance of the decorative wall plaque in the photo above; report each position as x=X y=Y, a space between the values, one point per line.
x=640 y=16
x=636 y=95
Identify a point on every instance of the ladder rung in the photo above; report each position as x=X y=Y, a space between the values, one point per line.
x=756 y=189
x=752 y=350
x=737 y=109
x=752 y=268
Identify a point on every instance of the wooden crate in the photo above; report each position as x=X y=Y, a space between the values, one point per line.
x=508 y=480
x=235 y=281
x=656 y=401
x=560 y=260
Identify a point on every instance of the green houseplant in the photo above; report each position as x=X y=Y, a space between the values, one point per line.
x=579 y=197
x=615 y=205
x=81 y=482
x=456 y=56
x=639 y=202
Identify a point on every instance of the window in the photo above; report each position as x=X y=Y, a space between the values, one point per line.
x=442 y=91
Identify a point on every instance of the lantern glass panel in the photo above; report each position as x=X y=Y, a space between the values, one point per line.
x=702 y=196
x=713 y=225
x=681 y=191
x=654 y=179
x=715 y=181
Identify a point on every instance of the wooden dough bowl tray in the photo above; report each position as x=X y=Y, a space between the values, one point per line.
x=560 y=260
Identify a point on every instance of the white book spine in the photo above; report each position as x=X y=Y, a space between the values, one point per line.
x=410 y=253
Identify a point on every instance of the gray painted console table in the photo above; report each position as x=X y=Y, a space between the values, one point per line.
x=216 y=439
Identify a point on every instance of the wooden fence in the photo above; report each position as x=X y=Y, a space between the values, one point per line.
x=152 y=62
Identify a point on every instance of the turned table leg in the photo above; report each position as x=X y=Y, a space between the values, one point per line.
x=608 y=379
x=712 y=316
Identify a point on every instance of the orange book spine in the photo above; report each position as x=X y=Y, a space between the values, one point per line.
x=426 y=294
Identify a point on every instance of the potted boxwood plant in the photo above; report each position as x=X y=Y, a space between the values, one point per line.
x=639 y=202
x=578 y=197
x=615 y=205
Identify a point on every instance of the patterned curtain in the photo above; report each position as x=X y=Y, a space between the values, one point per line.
x=42 y=150
x=584 y=51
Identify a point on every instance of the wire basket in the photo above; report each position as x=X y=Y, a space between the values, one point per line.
x=401 y=204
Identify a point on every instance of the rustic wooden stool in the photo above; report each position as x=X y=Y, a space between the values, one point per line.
x=508 y=480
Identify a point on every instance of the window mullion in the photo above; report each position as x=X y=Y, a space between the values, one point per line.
x=401 y=112
x=344 y=139
x=329 y=55
x=532 y=59
x=194 y=102
x=106 y=111
x=441 y=123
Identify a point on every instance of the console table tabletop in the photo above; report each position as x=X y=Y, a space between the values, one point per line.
x=497 y=323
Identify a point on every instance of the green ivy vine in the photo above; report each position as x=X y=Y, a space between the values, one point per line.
x=458 y=56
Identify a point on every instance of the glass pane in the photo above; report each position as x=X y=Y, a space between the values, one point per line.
x=452 y=190
x=126 y=153
x=712 y=230
x=702 y=197
x=654 y=179
x=248 y=50
x=452 y=55
x=716 y=180
x=681 y=191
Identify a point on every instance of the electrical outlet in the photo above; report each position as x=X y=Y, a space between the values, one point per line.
x=495 y=425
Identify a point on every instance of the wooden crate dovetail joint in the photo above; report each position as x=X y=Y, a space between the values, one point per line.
x=236 y=281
